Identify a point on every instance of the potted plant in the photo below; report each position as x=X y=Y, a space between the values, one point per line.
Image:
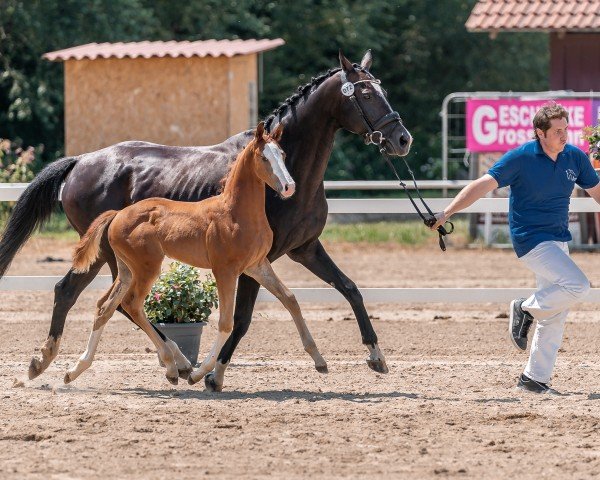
x=179 y=305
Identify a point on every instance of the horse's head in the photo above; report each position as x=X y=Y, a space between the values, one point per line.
x=366 y=111
x=269 y=161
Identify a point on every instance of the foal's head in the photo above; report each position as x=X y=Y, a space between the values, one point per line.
x=269 y=161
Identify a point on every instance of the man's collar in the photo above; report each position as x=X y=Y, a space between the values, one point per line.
x=538 y=150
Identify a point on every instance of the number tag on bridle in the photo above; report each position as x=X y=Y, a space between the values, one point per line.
x=348 y=89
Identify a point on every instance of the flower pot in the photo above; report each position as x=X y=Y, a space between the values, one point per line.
x=186 y=336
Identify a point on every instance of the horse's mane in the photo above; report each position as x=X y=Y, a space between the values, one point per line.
x=302 y=91
x=292 y=100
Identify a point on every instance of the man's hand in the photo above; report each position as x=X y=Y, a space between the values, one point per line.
x=441 y=219
x=472 y=192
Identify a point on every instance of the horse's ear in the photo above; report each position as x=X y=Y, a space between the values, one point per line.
x=345 y=63
x=367 y=60
x=278 y=132
x=260 y=130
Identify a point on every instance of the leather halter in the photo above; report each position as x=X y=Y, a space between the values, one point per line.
x=374 y=134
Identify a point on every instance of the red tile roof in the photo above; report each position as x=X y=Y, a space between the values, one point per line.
x=545 y=15
x=213 y=48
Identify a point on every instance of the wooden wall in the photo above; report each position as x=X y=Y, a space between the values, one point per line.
x=575 y=61
x=174 y=101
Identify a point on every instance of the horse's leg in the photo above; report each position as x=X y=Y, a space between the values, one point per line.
x=247 y=290
x=226 y=289
x=184 y=366
x=66 y=292
x=314 y=257
x=105 y=309
x=133 y=304
x=264 y=274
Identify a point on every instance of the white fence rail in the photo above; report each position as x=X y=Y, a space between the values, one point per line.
x=380 y=295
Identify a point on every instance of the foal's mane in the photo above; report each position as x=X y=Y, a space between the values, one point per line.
x=223 y=181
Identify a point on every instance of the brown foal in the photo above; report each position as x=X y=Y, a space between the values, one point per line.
x=228 y=233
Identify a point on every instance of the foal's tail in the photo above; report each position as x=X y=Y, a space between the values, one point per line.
x=87 y=250
x=33 y=208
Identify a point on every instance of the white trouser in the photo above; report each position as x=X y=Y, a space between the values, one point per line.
x=561 y=284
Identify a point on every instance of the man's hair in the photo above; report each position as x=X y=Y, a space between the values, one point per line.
x=547 y=113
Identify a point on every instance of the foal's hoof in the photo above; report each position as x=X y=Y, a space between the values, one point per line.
x=322 y=368
x=210 y=384
x=191 y=380
x=35 y=368
x=185 y=374
x=173 y=380
x=378 y=365
x=67 y=378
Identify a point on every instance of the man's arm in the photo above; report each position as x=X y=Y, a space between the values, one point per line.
x=594 y=192
x=469 y=195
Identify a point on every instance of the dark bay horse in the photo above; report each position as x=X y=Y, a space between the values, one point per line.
x=228 y=233
x=117 y=176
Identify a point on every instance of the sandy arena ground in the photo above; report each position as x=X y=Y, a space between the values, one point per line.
x=447 y=409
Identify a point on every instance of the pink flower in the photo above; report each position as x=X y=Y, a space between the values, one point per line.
x=157 y=297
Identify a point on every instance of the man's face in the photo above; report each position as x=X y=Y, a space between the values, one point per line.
x=555 y=138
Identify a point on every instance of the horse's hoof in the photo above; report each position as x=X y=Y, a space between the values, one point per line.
x=173 y=380
x=378 y=365
x=191 y=380
x=210 y=384
x=185 y=374
x=35 y=368
x=67 y=378
x=322 y=368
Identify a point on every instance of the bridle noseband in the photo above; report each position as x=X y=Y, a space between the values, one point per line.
x=375 y=136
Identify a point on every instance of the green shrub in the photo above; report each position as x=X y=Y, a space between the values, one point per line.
x=180 y=296
x=16 y=166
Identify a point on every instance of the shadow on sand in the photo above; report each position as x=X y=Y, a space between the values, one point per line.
x=269 y=395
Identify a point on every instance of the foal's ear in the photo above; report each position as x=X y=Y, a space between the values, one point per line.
x=278 y=132
x=345 y=63
x=367 y=60
x=260 y=130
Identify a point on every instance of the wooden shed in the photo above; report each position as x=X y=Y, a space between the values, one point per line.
x=175 y=93
x=574 y=28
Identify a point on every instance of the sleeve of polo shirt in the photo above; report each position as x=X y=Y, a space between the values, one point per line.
x=588 y=177
x=506 y=170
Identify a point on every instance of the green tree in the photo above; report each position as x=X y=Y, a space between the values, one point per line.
x=31 y=89
x=421 y=49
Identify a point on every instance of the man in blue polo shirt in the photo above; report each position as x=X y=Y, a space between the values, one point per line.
x=542 y=174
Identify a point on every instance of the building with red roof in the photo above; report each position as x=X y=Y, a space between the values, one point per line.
x=175 y=93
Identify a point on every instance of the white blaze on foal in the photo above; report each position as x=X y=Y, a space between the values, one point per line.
x=276 y=157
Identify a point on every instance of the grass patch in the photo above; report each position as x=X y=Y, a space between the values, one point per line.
x=410 y=233
x=57 y=227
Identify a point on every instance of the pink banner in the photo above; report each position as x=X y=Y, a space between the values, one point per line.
x=500 y=125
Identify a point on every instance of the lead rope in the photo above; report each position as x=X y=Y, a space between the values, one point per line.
x=442 y=230
x=348 y=91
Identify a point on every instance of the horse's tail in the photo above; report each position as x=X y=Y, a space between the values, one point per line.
x=33 y=209
x=87 y=250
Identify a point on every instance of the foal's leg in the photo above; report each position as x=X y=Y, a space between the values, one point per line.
x=105 y=309
x=226 y=289
x=65 y=294
x=314 y=257
x=264 y=274
x=133 y=304
x=184 y=366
